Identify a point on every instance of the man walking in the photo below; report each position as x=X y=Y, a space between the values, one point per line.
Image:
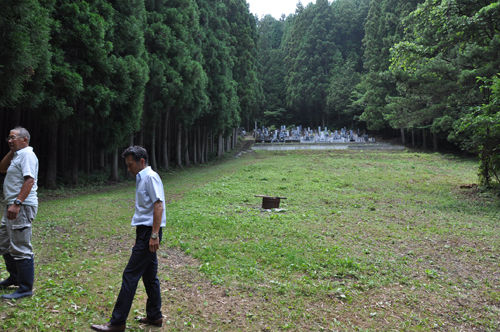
x=148 y=219
x=19 y=189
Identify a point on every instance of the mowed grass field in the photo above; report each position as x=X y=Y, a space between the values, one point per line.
x=366 y=241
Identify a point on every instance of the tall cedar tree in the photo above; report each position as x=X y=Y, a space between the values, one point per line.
x=218 y=63
x=383 y=28
x=310 y=52
x=176 y=91
x=272 y=72
x=128 y=78
x=243 y=44
x=348 y=17
x=24 y=55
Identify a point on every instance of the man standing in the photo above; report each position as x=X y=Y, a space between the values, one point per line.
x=148 y=219
x=19 y=189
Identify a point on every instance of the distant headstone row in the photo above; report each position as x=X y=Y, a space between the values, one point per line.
x=308 y=135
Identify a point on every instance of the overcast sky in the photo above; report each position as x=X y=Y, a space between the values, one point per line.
x=274 y=7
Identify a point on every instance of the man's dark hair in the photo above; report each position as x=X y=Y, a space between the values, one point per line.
x=137 y=152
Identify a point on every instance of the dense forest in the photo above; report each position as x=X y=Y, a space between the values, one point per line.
x=427 y=70
x=88 y=78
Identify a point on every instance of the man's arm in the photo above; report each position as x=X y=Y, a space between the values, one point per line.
x=154 y=244
x=13 y=210
x=5 y=163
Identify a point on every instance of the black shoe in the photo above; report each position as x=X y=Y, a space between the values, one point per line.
x=108 y=327
x=146 y=320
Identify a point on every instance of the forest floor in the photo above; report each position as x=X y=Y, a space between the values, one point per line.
x=366 y=240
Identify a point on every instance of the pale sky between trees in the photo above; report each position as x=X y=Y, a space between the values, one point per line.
x=274 y=7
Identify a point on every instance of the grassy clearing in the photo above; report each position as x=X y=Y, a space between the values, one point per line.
x=368 y=240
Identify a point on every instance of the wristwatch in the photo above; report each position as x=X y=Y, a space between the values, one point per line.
x=154 y=236
x=18 y=202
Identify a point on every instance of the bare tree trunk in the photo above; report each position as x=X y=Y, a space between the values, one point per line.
x=141 y=136
x=165 y=141
x=114 y=166
x=200 y=143
x=195 y=145
x=102 y=159
x=76 y=157
x=179 y=145
x=403 y=139
x=131 y=140
x=152 y=153
x=424 y=139
x=214 y=144
x=51 y=180
x=434 y=142
x=17 y=117
x=64 y=154
x=203 y=146
x=186 y=148
x=158 y=143
x=228 y=143
x=220 y=150
x=413 y=137
x=210 y=141
x=88 y=155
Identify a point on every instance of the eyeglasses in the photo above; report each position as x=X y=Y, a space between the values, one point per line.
x=8 y=138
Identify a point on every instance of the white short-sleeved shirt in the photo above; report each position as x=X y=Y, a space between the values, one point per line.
x=148 y=190
x=24 y=163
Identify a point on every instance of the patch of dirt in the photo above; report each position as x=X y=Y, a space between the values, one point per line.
x=190 y=299
x=472 y=192
x=172 y=197
x=244 y=147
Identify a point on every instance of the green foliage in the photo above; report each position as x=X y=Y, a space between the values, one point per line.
x=24 y=54
x=243 y=30
x=178 y=81
x=309 y=50
x=272 y=71
x=479 y=132
x=218 y=63
x=82 y=54
x=128 y=73
x=383 y=28
x=339 y=102
x=321 y=43
x=448 y=44
x=105 y=72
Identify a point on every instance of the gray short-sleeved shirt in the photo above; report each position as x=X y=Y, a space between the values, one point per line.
x=24 y=163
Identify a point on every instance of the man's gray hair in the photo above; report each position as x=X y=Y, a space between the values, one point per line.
x=23 y=132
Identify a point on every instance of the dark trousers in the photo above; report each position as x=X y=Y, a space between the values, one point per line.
x=142 y=263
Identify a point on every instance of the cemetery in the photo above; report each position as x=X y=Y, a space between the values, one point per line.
x=310 y=136
x=299 y=138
